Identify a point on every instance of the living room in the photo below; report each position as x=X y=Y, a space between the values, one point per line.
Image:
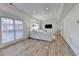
x=39 y=29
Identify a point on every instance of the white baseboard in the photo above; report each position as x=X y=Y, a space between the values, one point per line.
x=76 y=51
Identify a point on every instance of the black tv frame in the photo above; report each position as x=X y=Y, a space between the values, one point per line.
x=48 y=26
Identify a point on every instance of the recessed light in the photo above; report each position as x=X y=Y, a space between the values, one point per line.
x=47 y=8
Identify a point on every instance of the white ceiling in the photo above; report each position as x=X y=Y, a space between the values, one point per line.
x=41 y=11
x=45 y=11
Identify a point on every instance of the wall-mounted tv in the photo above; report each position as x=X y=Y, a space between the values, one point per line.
x=48 y=26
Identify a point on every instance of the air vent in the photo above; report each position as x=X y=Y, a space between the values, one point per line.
x=11 y=3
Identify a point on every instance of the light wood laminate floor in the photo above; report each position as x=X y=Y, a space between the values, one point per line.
x=32 y=47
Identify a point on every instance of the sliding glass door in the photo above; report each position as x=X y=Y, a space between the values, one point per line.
x=11 y=30
x=7 y=30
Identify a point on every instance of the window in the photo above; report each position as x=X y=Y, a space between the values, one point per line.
x=35 y=26
x=11 y=29
x=7 y=30
x=18 y=29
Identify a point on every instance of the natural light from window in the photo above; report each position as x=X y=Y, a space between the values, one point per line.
x=11 y=29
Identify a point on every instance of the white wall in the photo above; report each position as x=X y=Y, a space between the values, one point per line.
x=31 y=20
x=71 y=29
x=53 y=22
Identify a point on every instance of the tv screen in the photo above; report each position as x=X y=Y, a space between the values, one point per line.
x=48 y=26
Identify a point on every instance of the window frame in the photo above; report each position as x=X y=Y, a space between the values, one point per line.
x=16 y=30
x=13 y=27
x=0 y=32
